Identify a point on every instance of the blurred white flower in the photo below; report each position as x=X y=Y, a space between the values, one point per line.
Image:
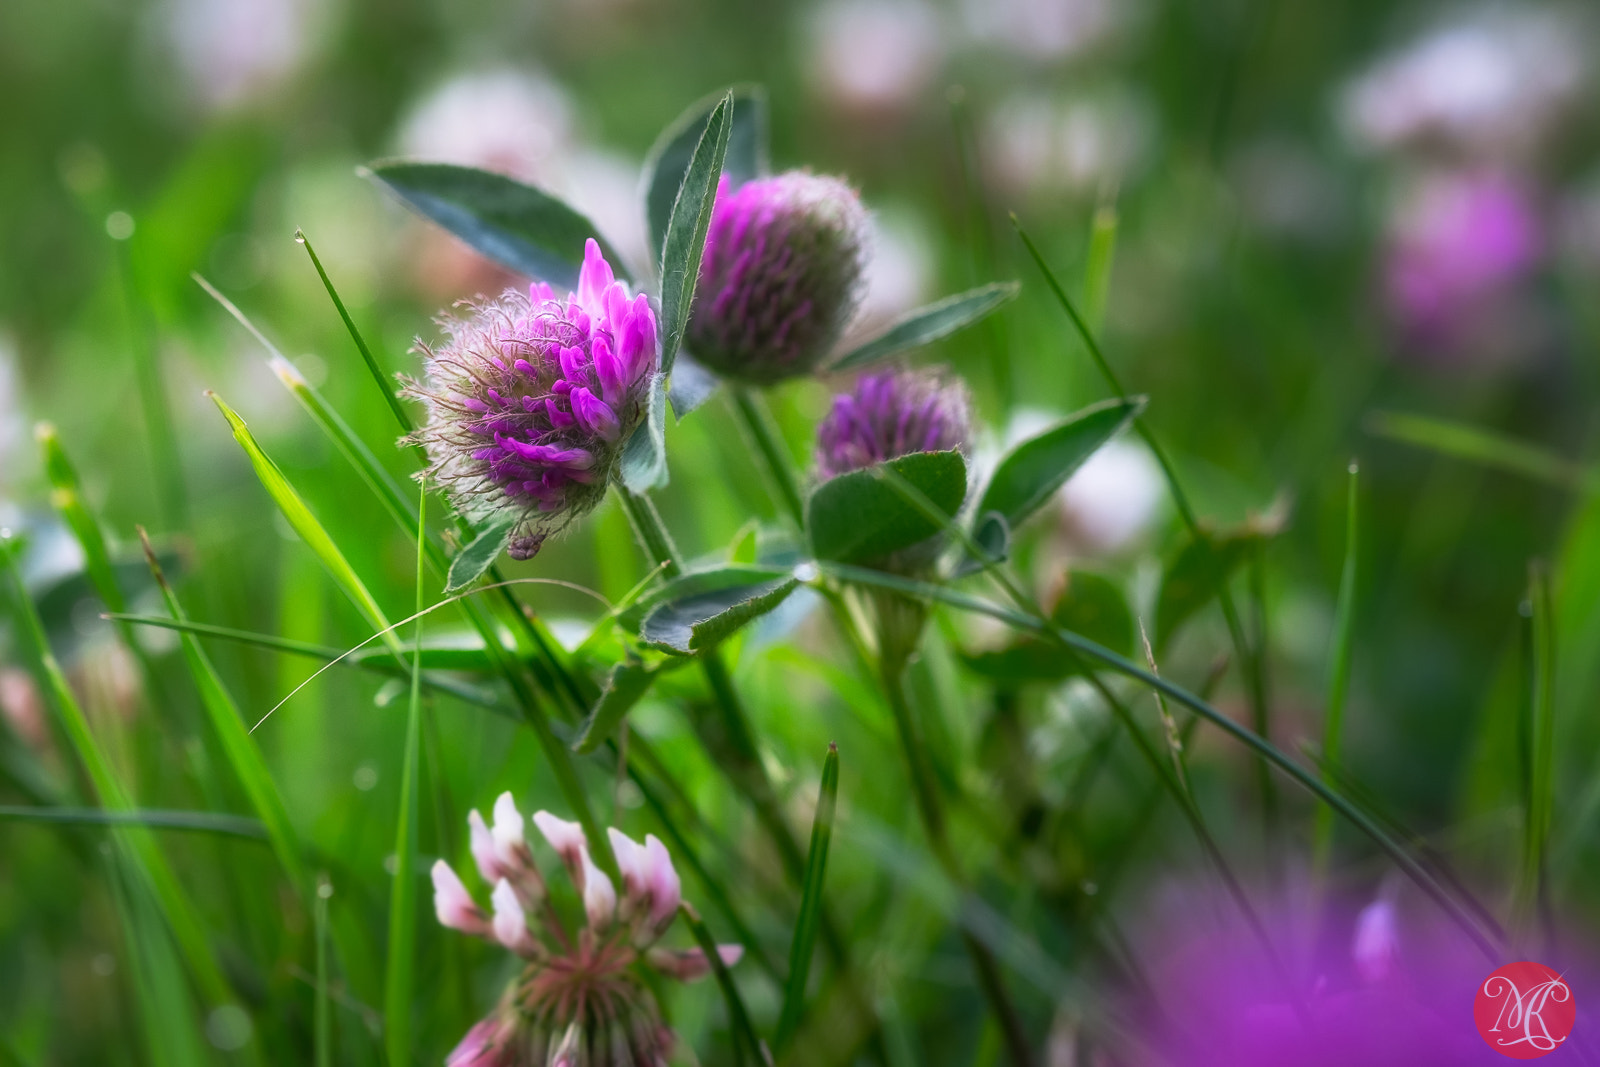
x=523 y=124
x=874 y=55
x=898 y=274
x=1112 y=498
x=1493 y=82
x=232 y=52
x=1036 y=144
x=1044 y=29
x=11 y=416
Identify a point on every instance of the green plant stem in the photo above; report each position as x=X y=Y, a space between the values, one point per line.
x=164 y=455
x=322 y=1016
x=1249 y=660
x=1338 y=678
x=758 y=423
x=737 y=739
x=925 y=790
x=744 y=1034
x=1540 y=732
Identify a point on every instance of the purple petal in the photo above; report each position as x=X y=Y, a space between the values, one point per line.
x=594 y=277
x=594 y=415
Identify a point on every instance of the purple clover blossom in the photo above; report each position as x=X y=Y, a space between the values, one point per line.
x=780 y=278
x=1459 y=245
x=581 y=999
x=893 y=414
x=532 y=397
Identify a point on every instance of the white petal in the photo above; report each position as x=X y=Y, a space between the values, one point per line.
x=666 y=890
x=599 y=897
x=451 y=901
x=631 y=861
x=565 y=837
x=508 y=826
x=483 y=851
x=510 y=924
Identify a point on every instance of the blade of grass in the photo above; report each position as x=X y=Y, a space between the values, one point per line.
x=355 y=335
x=326 y=654
x=305 y=524
x=1338 y=674
x=322 y=1010
x=66 y=495
x=1477 y=445
x=403 y=893
x=1097 y=273
x=1249 y=661
x=805 y=929
x=178 y=910
x=243 y=754
x=156 y=818
x=168 y=1026
x=1263 y=749
x=1541 y=751
x=744 y=1034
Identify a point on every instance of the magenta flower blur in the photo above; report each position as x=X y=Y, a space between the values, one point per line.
x=1457 y=246
x=891 y=414
x=780 y=278
x=581 y=1000
x=532 y=397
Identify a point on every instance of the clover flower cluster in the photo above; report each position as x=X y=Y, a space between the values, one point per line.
x=780 y=278
x=581 y=1000
x=893 y=414
x=531 y=399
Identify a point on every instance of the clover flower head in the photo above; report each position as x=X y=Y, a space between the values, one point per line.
x=893 y=414
x=581 y=999
x=531 y=398
x=781 y=276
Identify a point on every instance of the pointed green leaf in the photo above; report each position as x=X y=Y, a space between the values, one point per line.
x=479 y=554
x=699 y=622
x=299 y=516
x=858 y=517
x=691 y=386
x=699 y=583
x=1031 y=472
x=923 y=325
x=516 y=225
x=685 y=240
x=992 y=534
x=669 y=158
x=625 y=687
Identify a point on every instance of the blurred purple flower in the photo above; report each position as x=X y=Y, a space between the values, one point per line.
x=781 y=277
x=532 y=398
x=1392 y=988
x=581 y=1000
x=890 y=414
x=1458 y=241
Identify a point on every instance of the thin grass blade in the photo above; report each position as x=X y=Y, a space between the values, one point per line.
x=685 y=239
x=397 y=985
x=1338 y=672
x=305 y=524
x=1477 y=445
x=810 y=920
x=243 y=754
x=205 y=822
x=744 y=1034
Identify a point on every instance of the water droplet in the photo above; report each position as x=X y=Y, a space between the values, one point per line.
x=119 y=225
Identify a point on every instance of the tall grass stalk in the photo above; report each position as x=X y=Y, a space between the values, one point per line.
x=1338 y=673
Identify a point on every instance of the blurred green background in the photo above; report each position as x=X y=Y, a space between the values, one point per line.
x=1322 y=212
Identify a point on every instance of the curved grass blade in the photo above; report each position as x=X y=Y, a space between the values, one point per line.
x=1338 y=673
x=685 y=239
x=355 y=335
x=243 y=754
x=397 y=983
x=1541 y=737
x=669 y=157
x=66 y=494
x=169 y=1026
x=516 y=225
x=1097 y=271
x=305 y=524
x=810 y=920
x=151 y=864
x=744 y=1034
x=927 y=324
x=1477 y=445
x=1263 y=748
x=204 y=822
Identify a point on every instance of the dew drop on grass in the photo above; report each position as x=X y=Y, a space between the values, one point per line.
x=365 y=777
x=228 y=1027
x=119 y=225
